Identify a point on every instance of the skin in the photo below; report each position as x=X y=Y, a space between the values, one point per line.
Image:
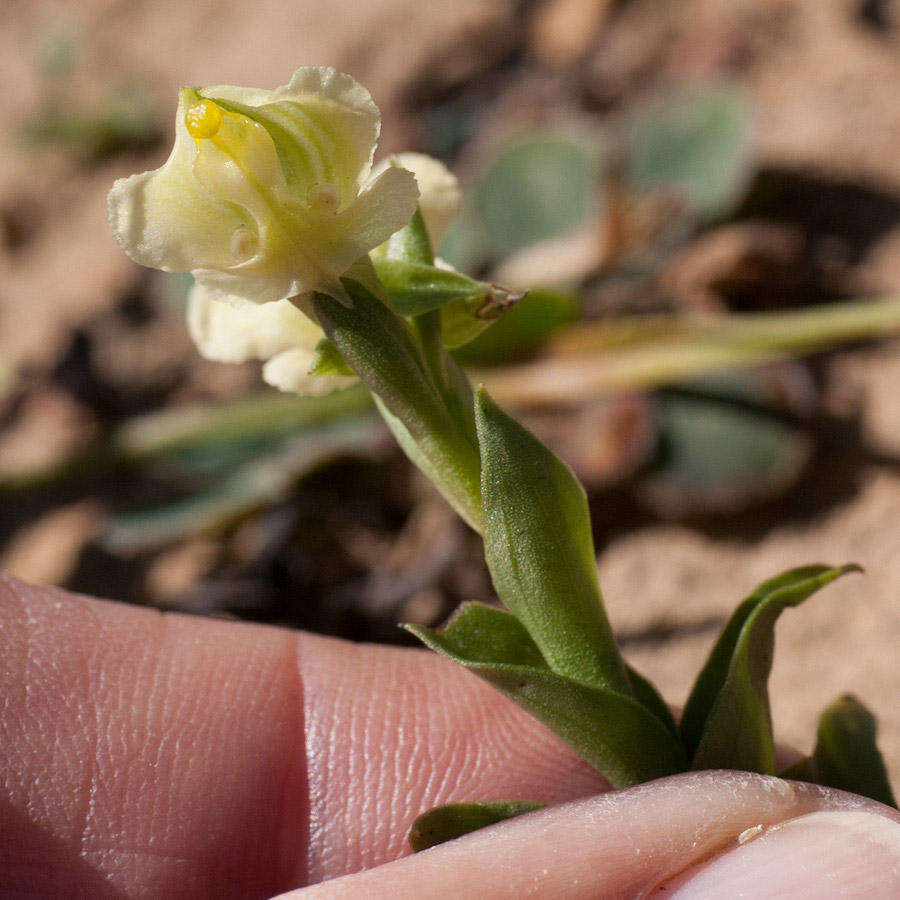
x=144 y=755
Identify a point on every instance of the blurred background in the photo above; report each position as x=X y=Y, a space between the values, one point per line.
x=703 y=198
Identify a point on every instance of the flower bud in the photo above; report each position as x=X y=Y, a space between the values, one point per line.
x=229 y=329
x=439 y=195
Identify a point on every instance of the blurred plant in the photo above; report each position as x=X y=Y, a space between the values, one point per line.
x=681 y=158
x=695 y=143
x=288 y=214
x=122 y=122
x=540 y=187
x=243 y=482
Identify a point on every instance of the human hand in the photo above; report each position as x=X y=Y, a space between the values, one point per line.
x=144 y=755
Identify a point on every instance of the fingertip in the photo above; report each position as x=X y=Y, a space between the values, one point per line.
x=632 y=842
x=822 y=854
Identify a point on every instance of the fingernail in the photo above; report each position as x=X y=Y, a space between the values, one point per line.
x=824 y=854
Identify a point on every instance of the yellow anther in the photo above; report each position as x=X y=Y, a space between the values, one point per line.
x=203 y=120
x=324 y=196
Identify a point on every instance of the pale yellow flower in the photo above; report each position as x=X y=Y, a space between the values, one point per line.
x=230 y=329
x=267 y=194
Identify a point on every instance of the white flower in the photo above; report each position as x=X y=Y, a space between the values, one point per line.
x=235 y=330
x=266 y=194
x=439 y=195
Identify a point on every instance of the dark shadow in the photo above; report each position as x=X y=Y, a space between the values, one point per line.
x=823 y=208
x=660 y=631
x=35 y=863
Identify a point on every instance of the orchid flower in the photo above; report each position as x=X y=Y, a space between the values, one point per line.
x=266 y=195
x=230 y=329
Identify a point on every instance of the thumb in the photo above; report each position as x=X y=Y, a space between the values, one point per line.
x=707 y=834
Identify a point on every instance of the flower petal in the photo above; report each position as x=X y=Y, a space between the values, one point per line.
x=167 y=220
x=289 y=371
x=324 y=125
x=234 y=330
x=385 y=205
x=439 y=196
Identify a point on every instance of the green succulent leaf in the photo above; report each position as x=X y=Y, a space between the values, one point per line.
x=613 y=732
x=381 y=350
x=727 y=722
x=444 y=823
x=414 y=288
x=540 y=551
x=846 y=755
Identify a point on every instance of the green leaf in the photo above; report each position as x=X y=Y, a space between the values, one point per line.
x=416 y=288
x=410 y=244
x=714 y=673
x=414 y=285
x=539 y=549
x=464 y=318
x=802 y=770
x=522 y=329
x=380 y=349
x=327 y=361
x=846 y=755
x=613 y=732
x=695 y=142
x=727 y=716
x=537 y=189
x=487 y=634
x=491 y=635
x=445 y=823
